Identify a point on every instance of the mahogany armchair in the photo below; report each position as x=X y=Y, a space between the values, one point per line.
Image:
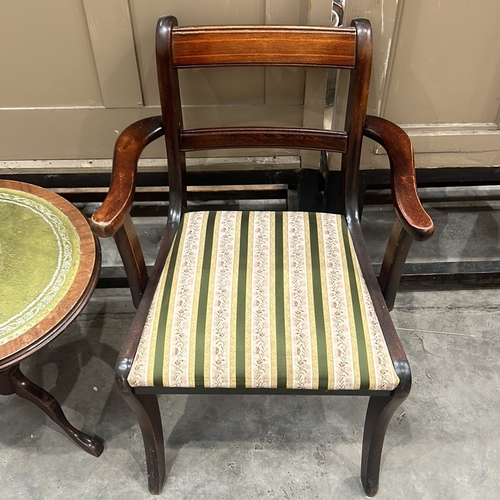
x=263 y=302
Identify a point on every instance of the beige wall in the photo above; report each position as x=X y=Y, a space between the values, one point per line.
x=76 y=72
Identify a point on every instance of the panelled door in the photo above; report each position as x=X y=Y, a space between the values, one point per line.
x=77 y=72
x=436 y=72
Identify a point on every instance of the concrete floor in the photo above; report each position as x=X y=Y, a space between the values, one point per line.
x=444 y=443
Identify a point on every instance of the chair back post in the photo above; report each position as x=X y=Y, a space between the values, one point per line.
x=355 y=119
x=171 y=111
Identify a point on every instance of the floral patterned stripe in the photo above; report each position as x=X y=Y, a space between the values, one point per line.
x=272 y=302
x=330 y=358
x=260 y=332
x=219 y=358
x=177 y=348
x=340 y=326
x=313 y=334
x=301 y=360
x=213 y=236
x=248 y=301
x=384 y=376
x=234 y=298
x=287 y=328
x=148 y=340
x=365 y=329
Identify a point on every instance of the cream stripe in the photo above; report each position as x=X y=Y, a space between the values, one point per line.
x=196 y=294
x=313 y=340
x=350 y=312
x=248 y=304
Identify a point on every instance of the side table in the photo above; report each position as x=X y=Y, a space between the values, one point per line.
x=49 y=266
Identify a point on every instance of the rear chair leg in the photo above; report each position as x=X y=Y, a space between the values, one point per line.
x=147 y=411
x=378 y=415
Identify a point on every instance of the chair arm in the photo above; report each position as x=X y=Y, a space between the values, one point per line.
x=128 y=148
x=397 y=144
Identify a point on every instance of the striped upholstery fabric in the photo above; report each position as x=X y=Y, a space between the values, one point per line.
x=263 y=300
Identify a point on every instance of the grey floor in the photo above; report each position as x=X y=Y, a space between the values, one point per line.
x=444 y=442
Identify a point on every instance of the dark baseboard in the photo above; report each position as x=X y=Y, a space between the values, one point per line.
x=87 y=188
x=153 y=186
x=83 y=187
x=421 y=276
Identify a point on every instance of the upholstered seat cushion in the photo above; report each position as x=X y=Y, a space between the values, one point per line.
x=263 y=300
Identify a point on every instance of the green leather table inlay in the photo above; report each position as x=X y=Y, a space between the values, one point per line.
x=39 y=258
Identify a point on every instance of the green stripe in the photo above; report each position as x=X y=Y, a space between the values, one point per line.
x=199 y=365
x=241 y=302
x=162 y=320
x=318 y=303
x=356 y=305
x=280 y=303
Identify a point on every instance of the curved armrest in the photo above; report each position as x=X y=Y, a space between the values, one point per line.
x=398 y=146
x=128 y=148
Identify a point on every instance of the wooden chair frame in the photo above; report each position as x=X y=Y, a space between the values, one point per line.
x=346 y=48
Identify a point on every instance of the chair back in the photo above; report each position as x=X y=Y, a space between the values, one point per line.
x=218 y=46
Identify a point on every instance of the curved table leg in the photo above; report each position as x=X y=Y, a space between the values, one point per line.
x=47 y=403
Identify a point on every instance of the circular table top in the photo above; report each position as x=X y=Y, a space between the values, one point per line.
x=49 y=265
